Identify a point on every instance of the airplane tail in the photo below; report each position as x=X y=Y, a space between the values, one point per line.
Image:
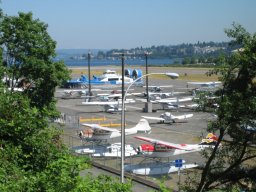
x=143 y=126
x=210 y=139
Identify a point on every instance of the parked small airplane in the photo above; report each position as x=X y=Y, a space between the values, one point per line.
x=173 y=103
x=156 y=93
x=158 y=88
x=165 y=149
x=209 y=84
x=114 y=96
x=157 y=168
x=109 y=150
x=109 y=106
x=99 y=133
x=167 y=117
x=71 y=92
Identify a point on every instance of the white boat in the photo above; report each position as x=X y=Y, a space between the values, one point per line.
x=111 y=150
x=112 y=77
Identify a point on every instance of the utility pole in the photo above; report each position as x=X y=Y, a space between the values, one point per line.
x=123 y=125
x=89 y=74
x=122 y=119
x=146 y=56
x=148 y=105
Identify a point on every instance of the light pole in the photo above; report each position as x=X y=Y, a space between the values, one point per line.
x=146 y=56
x=171 y=75
x=148 y=105
x=89 y=73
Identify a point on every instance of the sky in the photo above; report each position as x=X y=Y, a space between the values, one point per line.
x=125 y=24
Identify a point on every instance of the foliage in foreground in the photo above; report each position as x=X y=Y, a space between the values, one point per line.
x=32 y=154
x=28 y=52
x=231 y=165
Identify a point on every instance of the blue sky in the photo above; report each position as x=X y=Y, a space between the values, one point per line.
x=108 y=24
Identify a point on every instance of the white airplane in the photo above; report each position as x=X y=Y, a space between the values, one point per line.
x=167 y=117
x=209 y=84
x=156 y=93
x=173 y=103
x=161 y=149
x=109 y=150
x=157 y=89
x=99 y=133
x=109 y=106
x=115 y=96
x=157 y=168
x=71 y=93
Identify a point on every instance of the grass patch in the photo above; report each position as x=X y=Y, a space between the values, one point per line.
x=199 y=77
x=189 y=77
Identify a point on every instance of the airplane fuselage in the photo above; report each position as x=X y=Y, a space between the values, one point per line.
x=159 y=151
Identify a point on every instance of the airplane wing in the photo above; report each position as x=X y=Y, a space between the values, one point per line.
x=159 y=142
x=97 y=126
x=118 y=95
x=103 y=94
x=101 y=103
x=160 y=93
x=205 y=84
x=108 y=102
x=153 y=118
x=181 y=117
x=152 y=86
x=174 y=100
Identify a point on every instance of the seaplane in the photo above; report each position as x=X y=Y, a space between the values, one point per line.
x=109 y=106
x=100 y=133
x=156 y=93
x=173 y=103
x=160 y=149
x=77 y=93
x=109 y=150
x=208 y=84
x=202 y=87
x=167 y=117
x=110 y=96
x=157 y=168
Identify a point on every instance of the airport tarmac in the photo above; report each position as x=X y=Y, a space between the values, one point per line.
x=190 y=132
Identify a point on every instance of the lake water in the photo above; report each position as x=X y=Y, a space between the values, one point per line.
x=95 y=62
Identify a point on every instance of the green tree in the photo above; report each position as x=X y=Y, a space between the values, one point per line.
x=186 y=61
x=30 y=148
x=232 y=165
x=33 y=157
x=32 y=154
x=28 y=58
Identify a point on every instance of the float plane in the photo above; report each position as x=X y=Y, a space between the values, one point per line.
x=173 y=103
x=109 y=106
x=109 y=150
x=157 y=168
x=100 y=133
x=161 y=149
x=208 y=84
x=167 y=117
